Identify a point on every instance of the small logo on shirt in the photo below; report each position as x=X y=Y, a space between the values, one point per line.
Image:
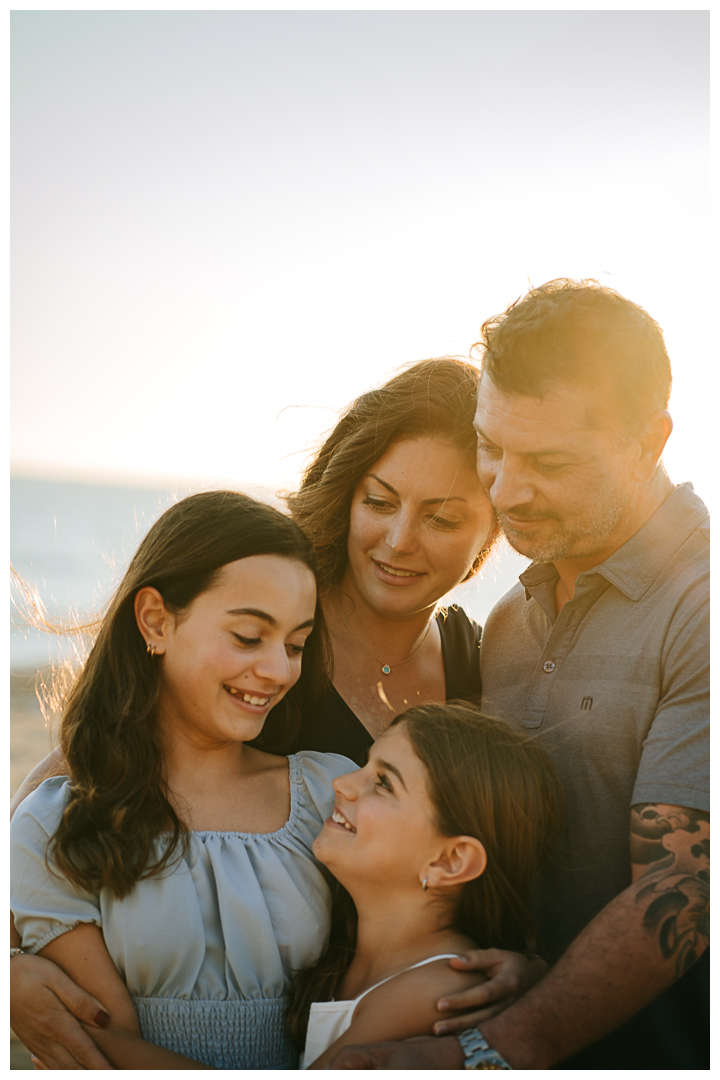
x=586 y=703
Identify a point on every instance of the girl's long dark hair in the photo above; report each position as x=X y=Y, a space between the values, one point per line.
x=485 y=780
x=119 y=802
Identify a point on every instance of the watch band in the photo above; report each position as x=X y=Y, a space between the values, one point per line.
x=478 y=1055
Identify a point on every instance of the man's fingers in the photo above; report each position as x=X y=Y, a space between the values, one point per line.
x=478 y=959
x=505 y=987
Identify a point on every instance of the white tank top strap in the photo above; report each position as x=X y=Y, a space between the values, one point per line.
x=420 y=963
x=331 y=1019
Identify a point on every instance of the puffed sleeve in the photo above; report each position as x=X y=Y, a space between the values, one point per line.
x=43 y=902
x=316 y=773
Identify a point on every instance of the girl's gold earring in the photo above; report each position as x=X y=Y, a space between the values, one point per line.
x=424 y=885
x=151 y=650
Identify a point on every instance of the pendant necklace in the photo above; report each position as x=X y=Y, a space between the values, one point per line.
x=384 y=668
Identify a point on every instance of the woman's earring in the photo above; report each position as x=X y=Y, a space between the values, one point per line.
x=424 y=885
x=151 y=650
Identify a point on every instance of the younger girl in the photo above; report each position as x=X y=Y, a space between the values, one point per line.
x=436 y=840
x=175 y=853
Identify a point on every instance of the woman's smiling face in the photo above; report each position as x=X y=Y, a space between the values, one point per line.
x=236 y=651
x=418 y=519
x=382 y=831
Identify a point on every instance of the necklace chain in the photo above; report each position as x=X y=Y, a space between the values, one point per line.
x=384 y=668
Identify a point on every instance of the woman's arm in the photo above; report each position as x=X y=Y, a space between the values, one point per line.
x=401 y=1008
x=83 y=956
x=44 y=1003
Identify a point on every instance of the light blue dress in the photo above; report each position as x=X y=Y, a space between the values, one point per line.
x=207 y=949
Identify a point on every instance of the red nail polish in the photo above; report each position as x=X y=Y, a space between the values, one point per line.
x=101 y=1018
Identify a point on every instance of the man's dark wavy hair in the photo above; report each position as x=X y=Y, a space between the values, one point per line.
x=583 y=333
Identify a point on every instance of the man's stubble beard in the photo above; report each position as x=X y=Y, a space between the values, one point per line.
x=580 y=539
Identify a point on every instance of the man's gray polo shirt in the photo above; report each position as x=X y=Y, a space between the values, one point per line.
x=616 y=689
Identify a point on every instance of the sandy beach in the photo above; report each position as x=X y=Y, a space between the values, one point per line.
x=30 y=741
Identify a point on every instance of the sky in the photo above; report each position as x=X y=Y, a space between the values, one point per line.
x=226 y=225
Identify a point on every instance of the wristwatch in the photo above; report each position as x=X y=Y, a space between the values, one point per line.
x=478 y=1055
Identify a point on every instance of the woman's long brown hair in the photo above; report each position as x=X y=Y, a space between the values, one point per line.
x=431 y=399
x=485 y=780
x=119 y=803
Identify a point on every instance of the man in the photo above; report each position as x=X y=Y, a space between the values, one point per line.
x=601 y=652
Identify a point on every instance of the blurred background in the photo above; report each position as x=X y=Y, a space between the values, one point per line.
x=227 y=224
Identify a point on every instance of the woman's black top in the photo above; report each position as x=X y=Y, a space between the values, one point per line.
x=337 y=730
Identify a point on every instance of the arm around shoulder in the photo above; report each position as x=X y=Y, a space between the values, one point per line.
x=401 y=1008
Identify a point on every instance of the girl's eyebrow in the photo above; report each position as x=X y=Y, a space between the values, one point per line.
x=425 y=502
x=392 y=769
x=269 y=619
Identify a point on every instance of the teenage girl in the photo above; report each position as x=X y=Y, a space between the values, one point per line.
x=171 y=873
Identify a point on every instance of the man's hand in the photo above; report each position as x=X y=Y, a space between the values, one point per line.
x=40 y=997
x=509 y=975
x=425 y=1052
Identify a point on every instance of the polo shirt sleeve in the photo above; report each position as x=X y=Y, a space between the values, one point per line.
x=675 y=761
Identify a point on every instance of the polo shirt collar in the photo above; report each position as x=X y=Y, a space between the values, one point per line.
x=635 y=566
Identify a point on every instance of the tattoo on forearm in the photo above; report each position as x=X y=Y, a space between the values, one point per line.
x=670 y=847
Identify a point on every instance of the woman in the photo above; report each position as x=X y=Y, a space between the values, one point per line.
x=175 y=853
x=398 y=518
x=437 y=840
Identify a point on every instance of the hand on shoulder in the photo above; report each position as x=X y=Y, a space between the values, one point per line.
x=403 y=1007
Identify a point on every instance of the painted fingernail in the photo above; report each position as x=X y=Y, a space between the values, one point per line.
x=101 y=1018
x=440 y=1029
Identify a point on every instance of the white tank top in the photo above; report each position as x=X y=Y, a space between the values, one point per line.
x=330 y=1019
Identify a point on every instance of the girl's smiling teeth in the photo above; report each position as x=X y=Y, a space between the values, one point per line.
x=251 y=699
x=339 y=819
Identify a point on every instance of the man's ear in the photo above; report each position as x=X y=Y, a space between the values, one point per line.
x=153 y=619
x=464 y=859
x=652 y=443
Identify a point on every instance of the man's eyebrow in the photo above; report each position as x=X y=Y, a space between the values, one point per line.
x=425 y=502
x=269 y=619
x=480 y=432
x=391 y=768
x=564 y=452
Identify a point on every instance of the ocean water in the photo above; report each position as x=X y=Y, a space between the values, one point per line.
x=72 y=542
